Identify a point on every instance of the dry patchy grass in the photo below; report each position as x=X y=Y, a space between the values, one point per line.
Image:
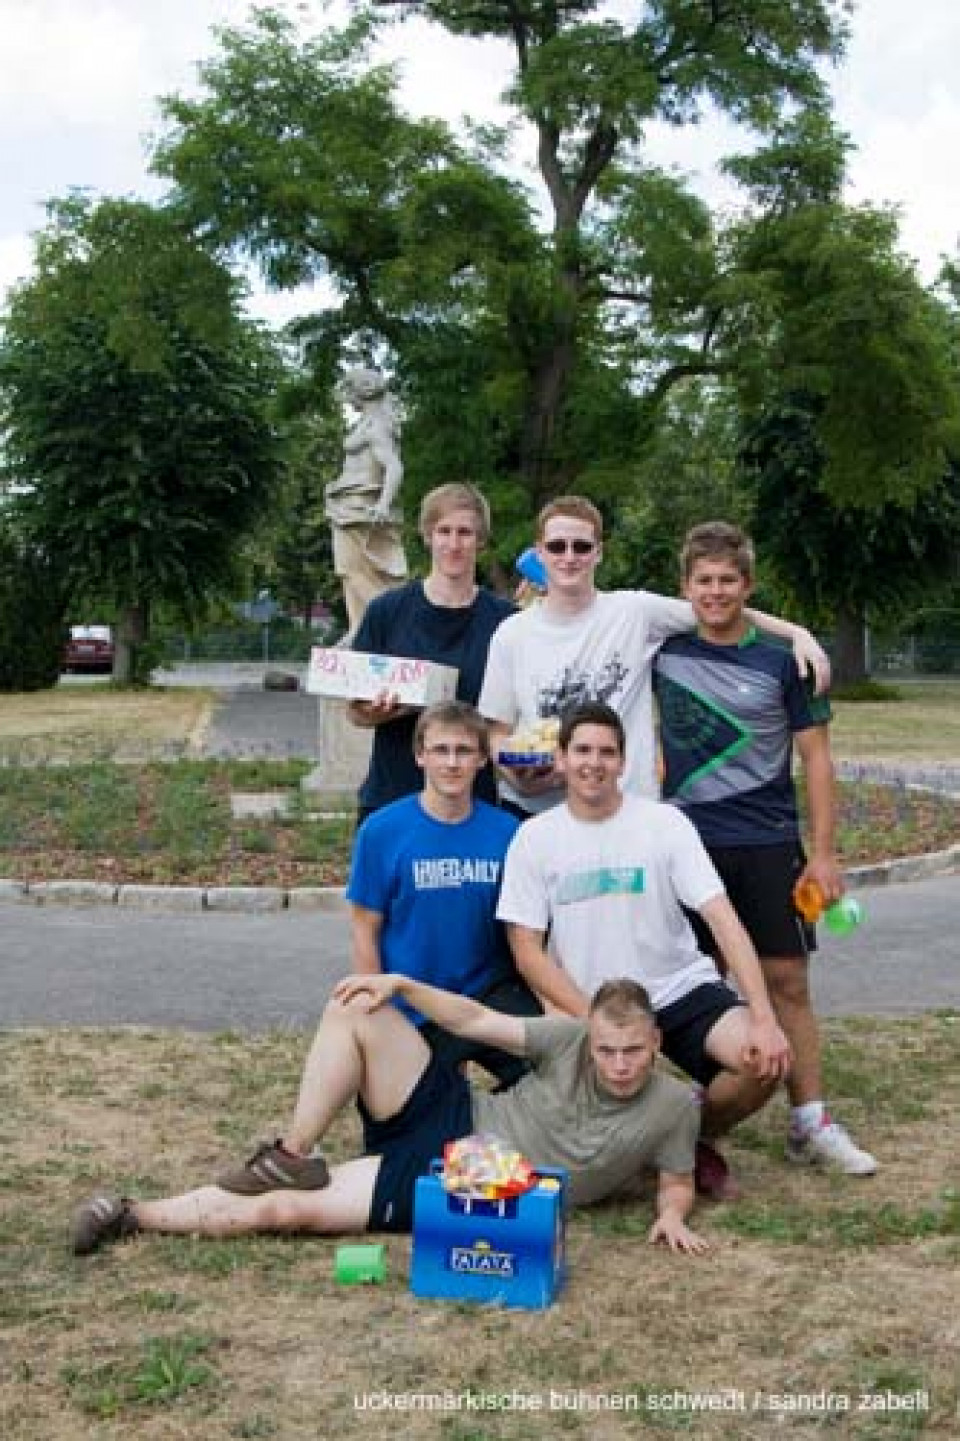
x=86 y=724
x=816 y=1285
x=921 y=727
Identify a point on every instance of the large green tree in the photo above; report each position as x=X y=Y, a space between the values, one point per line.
x=134 y=400
x=527 y=333
x=842 y=565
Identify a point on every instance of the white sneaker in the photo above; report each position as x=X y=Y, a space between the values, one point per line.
x=829 y=1145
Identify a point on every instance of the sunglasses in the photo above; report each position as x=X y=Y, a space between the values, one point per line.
x=577 y=547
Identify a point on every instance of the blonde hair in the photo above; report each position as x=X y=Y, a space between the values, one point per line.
x=621 y=1000
x=456 y=495
x=575 y=507
x=453 y=713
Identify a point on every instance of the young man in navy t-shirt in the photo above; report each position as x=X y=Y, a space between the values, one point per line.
x=446 y=618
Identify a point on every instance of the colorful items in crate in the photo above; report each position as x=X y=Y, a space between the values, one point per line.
x=505 y=1252
x=842 y=917
x=485 y=1168
x=532 y=744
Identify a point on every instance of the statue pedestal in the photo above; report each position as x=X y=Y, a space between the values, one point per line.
x=343 y=753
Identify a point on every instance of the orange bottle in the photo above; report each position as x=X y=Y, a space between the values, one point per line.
x=809 y=900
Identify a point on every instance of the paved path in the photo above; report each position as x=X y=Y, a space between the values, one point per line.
x=99 y=966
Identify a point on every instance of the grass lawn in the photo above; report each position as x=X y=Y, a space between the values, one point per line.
x=81 y=816
x=817 y=1288
x=920 y=726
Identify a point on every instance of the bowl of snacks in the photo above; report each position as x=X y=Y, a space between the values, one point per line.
x=530 y=745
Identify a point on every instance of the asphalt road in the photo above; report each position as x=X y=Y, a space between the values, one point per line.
x=100 y=966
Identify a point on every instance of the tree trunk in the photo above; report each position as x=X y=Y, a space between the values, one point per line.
x=131 y=633
x=850 y=653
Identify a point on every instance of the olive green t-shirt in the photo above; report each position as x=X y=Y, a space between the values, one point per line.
x=557 y=1115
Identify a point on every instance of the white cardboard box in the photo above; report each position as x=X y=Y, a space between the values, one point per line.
x=355 y=675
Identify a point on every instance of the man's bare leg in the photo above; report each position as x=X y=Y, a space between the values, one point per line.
x=341 y=1208
x=378 y=1055
x=788 y=985
x=735 y=1093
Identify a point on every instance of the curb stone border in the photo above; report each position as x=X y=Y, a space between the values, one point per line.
x=331 y=899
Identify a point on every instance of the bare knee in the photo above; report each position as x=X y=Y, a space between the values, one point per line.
x=279 y=1211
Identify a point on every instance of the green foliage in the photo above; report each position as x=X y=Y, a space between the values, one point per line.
x=835 y=558
x=163 y=1370
x=530 y=342
x=32 y=611
x=840 y=317
x=134 y=401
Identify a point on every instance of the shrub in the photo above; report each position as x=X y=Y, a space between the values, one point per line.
x=32 y=618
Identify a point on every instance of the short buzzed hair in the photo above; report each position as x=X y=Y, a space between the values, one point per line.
x=452 y=713
x=621 y=1000
x=717 y=540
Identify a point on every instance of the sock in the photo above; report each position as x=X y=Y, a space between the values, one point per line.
x=808 y=1117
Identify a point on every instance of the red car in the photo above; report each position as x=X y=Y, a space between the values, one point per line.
x=90 y=647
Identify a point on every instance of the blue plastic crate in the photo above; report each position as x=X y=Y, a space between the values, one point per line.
x=505 y=1253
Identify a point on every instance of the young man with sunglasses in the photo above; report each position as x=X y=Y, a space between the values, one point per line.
x=425 y=878
x=581 y=644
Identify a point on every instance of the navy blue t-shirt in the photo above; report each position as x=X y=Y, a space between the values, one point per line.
x=403 y=622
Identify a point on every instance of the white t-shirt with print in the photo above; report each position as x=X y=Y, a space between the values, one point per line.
x=609 y=892
x=540 y=665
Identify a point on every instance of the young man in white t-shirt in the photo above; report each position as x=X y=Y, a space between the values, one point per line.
x=606 y=876
x=580 y=644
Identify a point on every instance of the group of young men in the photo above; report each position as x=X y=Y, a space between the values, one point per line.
x=567 y=935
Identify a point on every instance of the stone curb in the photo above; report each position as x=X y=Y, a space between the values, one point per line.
x=331 y=899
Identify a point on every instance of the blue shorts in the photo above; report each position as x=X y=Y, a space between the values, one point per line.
x=437 y=1110
x=685 y=1025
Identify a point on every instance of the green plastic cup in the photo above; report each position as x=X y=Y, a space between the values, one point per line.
x=354 y=1265
x=843 y=916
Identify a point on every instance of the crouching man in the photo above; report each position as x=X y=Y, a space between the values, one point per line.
x=592 y=1103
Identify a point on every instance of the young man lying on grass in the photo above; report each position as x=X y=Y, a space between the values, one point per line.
x=591 y=1103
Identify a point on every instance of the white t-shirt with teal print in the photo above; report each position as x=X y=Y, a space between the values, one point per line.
x=610 y=892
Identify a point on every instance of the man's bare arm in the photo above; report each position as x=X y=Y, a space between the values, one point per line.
x=542 y=973
x=822 y=866
x=674 y=1203
x=808 y=653
x=458 y=1014
x=365 y=928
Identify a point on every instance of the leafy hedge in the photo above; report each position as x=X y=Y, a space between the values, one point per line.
x=32 y=618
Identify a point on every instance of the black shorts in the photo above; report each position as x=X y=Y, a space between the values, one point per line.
x=685 y=1024
x=510 y=995
x=437 y=1110
x=759 y=881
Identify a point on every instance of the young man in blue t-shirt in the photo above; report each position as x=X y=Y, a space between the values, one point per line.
x=731 y=708
x=425 y=879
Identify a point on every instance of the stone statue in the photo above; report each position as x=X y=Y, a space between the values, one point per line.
x=361 y=504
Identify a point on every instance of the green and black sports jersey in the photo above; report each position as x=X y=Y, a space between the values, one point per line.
x=728 y=714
